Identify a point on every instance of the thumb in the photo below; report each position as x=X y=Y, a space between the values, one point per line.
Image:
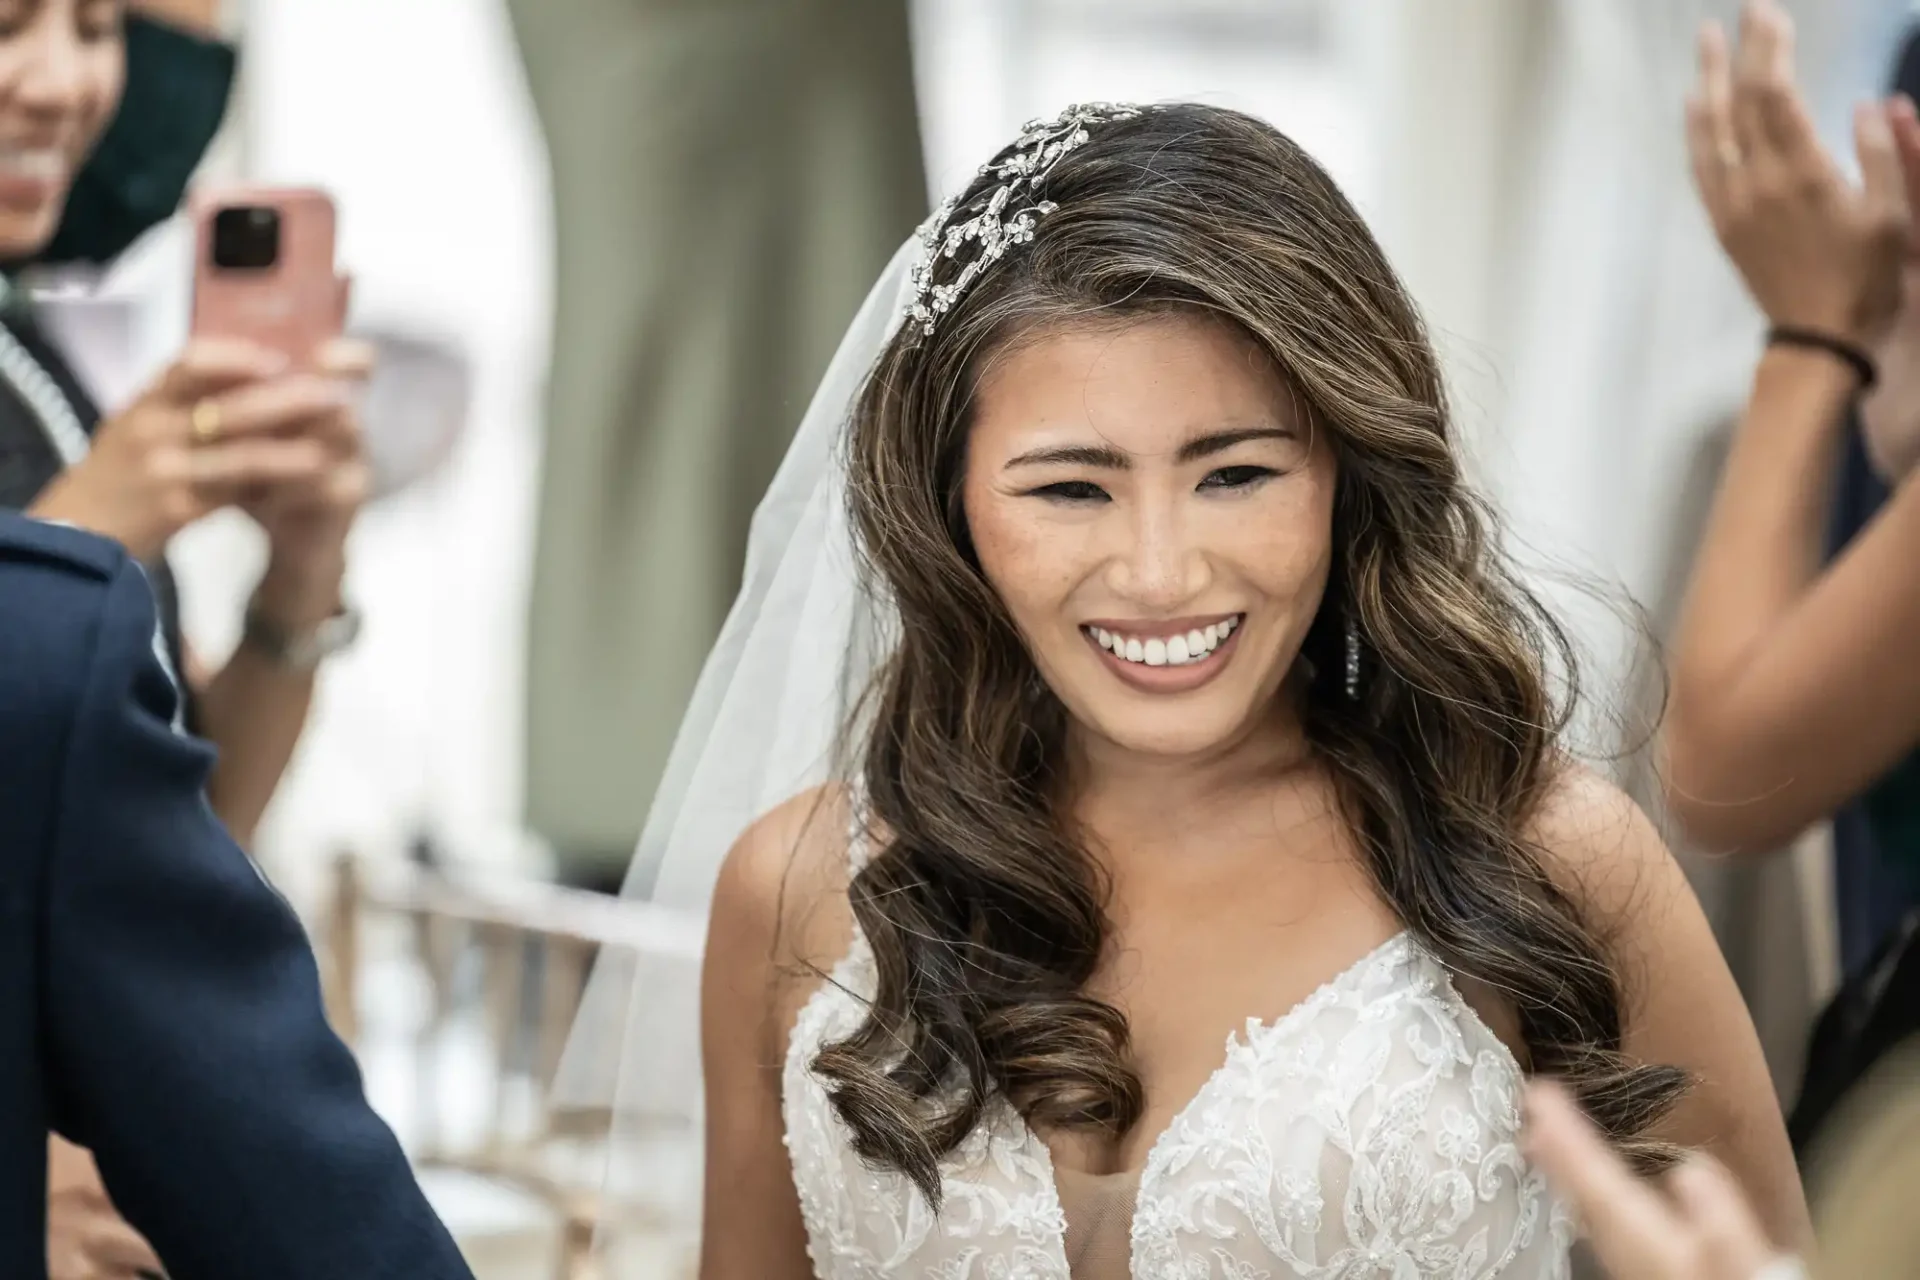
x=1881 y=173
x=1904 y=121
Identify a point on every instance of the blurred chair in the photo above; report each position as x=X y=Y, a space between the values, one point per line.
x=458 y=993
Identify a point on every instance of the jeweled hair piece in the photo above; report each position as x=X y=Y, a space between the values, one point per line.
x=1022 y=168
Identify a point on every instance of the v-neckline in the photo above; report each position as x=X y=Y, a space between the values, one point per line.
x=1256 y=1031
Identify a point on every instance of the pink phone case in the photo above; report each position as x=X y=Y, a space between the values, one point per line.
x=295 y=305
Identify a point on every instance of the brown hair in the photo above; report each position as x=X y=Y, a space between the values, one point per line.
x=983 y=910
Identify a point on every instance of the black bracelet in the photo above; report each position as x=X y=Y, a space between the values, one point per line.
x=1859 y=361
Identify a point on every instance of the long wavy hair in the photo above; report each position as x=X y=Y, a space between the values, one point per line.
x=984 y=910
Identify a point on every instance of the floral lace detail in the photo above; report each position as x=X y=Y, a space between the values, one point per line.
x=1368 y=1133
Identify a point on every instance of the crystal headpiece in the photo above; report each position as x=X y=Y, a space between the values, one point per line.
x=1023 y=169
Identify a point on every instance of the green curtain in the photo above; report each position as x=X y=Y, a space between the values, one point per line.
x=729 y=177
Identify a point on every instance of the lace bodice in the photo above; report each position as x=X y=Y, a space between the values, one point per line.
x=1368 y=1133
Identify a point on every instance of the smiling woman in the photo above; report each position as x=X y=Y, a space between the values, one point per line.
x=62 y=64
x=1115 y=487
x=1206 y=872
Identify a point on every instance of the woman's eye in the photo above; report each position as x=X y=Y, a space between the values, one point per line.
x=1237 y=477
x=1071 y=491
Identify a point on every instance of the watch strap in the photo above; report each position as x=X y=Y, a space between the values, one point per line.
x=300 y=650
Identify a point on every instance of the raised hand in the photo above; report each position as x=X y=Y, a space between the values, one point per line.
x=1816 y=251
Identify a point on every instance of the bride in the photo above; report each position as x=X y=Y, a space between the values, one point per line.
x=1127 y=792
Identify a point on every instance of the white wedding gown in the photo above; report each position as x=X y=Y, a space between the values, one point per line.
x=1370 y=1132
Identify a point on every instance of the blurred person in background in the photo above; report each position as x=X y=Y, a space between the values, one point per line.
x=179 y=76
x=224 y=426
x=1876 y=835
x=1875 y=891
x=726 y=176
x=1795 y=693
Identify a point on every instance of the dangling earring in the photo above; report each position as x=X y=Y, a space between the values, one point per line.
x=1353 y=659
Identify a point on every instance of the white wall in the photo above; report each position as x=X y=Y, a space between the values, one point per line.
x=985 y=67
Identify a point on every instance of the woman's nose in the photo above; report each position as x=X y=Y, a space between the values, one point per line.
x=50 y=76
x=1160 y=567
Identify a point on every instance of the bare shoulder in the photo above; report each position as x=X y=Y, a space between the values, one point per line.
x=1681 y=1007
x=1603 y=849
x=782 y=888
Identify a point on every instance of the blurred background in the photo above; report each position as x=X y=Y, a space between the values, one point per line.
x=1522 y=161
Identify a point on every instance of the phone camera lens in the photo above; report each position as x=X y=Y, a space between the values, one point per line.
x=246 y=238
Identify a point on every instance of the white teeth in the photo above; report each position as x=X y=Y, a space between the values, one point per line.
x=1167 y=651
x=32 y=164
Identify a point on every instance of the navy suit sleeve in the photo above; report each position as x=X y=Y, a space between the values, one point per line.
x=189 y=1047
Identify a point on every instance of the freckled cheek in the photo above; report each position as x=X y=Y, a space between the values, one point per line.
x=1032 y=563
x=1280 y=551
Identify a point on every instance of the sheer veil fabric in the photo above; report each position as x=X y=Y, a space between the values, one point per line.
x=770 y=710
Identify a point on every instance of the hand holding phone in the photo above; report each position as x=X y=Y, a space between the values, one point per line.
x=265 y=275
x=225 y=420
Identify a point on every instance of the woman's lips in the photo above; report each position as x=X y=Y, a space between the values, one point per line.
x=1166 y=657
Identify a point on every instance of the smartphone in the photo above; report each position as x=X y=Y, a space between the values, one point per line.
x=264 y=268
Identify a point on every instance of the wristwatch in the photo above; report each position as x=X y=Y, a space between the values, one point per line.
x=300 y=650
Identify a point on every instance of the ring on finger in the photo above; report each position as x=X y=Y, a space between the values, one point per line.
x=204 y=422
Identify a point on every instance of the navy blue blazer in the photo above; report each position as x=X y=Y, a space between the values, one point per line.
x=159 y=1002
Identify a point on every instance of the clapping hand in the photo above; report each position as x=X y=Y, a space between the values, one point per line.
x=1817 y=252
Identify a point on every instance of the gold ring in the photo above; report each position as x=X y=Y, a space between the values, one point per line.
x=205 y=422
